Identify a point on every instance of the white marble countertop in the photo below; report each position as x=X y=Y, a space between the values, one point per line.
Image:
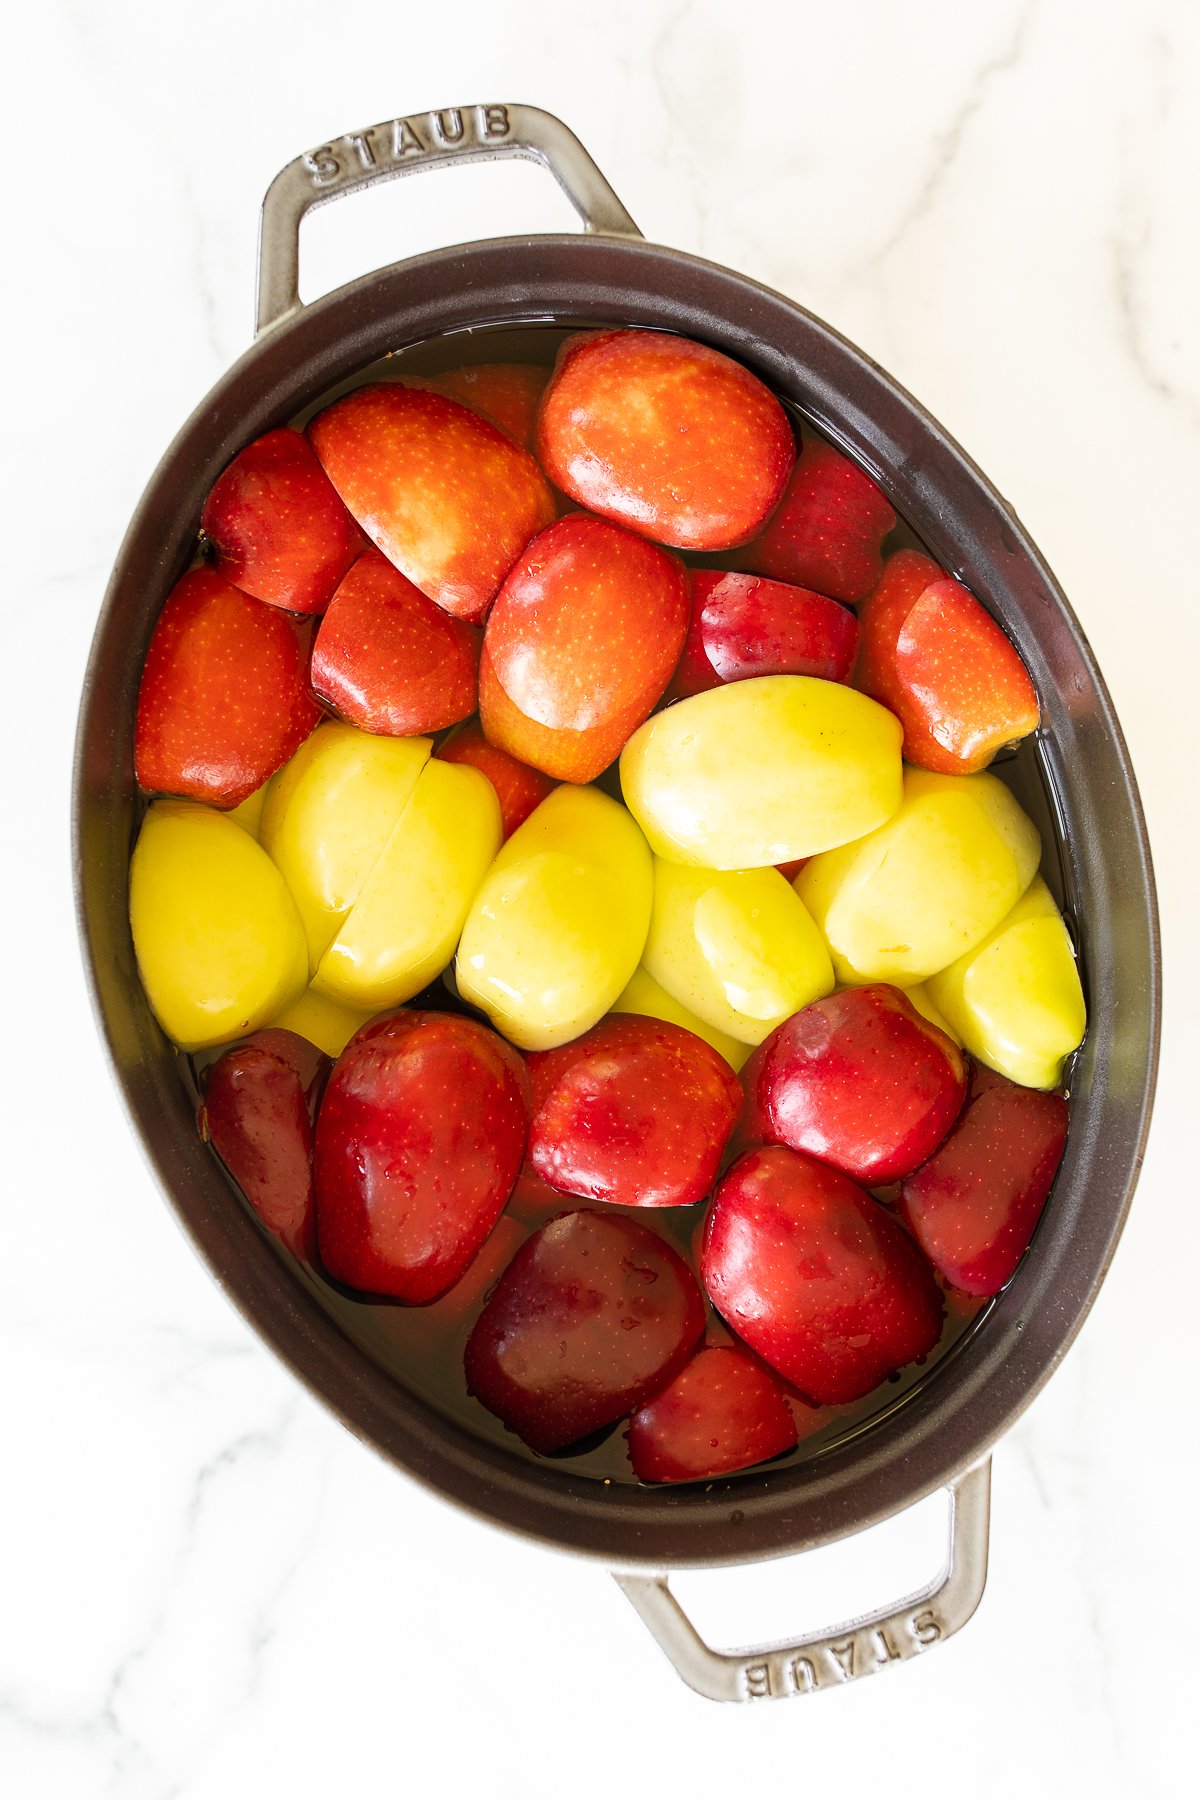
x=207 y=1587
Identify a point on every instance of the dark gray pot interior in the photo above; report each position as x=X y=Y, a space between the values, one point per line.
x=975 y=1394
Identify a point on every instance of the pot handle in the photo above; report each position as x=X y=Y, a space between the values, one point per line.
x=421 y=141
x=832 y=1658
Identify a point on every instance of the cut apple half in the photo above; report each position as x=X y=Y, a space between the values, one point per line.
x=404 y=926
x=328 y=817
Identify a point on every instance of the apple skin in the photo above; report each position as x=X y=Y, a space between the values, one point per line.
x=419 y=1141
x=933 y=655
x=389 y=659
x=860 y=1081
x=828 y=529
x=635 y=1112
x=508 y=394
x=593 y=1315
x=974 y=1205
x=277 y=525
x=816 y=1277
x=447 y=496
x=743 y=625
x=666 y=436
x=723 y=1411
x=259 y=1103
x=519 y=788
x=580 y=644
x=224 y=699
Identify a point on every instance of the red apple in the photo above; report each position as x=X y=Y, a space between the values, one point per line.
x=581 y=643
x=224 y=699
x=593 y=1314
x=973 y=1206
x=438 y=1331
x=816 y=1277
x=419 y=1141
x=933 y=655
x=257 y=1113
x=389 y=659
x=636 y=1112
x=723 y=1411
x=506 y=393
x=278 y=527
x=860 y=1080
x=743 y=626
x=518 y=787
x=666 y=436
x=828 y=530
x=446 y=495
x=790 y=870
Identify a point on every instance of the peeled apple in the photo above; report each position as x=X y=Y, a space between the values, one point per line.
x=328 y=815
x=762 y=771
x=219 y=942
x=913 y=896
x=558 y=925
x=736 y=947
x=403 y=927
x=642 y=994
x=1015 y=1000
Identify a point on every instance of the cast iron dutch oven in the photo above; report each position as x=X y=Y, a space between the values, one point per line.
x=941 y=1435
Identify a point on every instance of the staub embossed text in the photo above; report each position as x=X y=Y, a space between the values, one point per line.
x=408 y=140
x=827 y=1664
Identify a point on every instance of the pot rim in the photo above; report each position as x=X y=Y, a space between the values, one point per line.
x=973 y=1396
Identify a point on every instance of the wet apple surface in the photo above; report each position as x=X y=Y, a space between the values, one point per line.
x=384 y=861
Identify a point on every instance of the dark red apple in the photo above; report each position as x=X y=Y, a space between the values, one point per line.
x=278 y=528
x=389 y=659
x=636 y=1112
x=224 y=699
x=594 y=1313
x=941 y=663
x=723 y=1411
x=829 y=527
x=519 y=788
x=257 y=1113
x=974 y=1206
x=581 y=642
x=860 y=1080
x=816 y=1277
x=743 y=625
x=666 y=436
x=446 y=495
x=419 y=1141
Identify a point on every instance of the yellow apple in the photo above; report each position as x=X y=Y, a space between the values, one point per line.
x=557 y=928
x=921 y=998
x=1015 y=999
x=328 y=814
x=910 y=897
x=219 y=942
x=324 y=1021
x=403 y=927
x=642 y=994
x=736 y=947
x=761 y=772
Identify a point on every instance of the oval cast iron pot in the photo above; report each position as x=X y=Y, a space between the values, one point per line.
x=941 y=1435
